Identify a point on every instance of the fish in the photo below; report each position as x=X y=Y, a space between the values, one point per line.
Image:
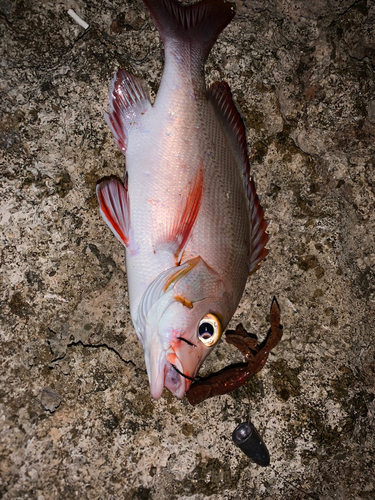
x=187 y=211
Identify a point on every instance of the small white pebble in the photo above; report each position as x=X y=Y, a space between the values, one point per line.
x=77 y=19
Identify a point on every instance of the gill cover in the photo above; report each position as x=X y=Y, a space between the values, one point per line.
x=170 y=314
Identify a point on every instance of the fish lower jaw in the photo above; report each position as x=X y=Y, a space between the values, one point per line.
x=174 y=382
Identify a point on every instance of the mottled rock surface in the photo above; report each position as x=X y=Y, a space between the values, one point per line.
x=302 y=73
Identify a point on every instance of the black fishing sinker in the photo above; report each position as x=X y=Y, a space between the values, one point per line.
x=246 y=437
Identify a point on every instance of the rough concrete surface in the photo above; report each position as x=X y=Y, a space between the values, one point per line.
x=77 y=419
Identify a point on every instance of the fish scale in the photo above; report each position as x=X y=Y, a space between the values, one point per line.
x=188 y=213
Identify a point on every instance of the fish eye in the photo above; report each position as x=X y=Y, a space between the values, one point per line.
x=209 y=330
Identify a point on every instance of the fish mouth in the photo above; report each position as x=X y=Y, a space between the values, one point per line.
x=183 y=375
x=176 y=379
x=175 y=382
x=166 y=370
x=171 y=366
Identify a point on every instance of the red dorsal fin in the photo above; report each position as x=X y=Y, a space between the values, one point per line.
x=128 y=101
x=258 y=237
x=198 y=24
x=221 y=98
x=114 y=207
x=178 y=234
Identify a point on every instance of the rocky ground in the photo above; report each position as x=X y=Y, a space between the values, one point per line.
x=77 y=419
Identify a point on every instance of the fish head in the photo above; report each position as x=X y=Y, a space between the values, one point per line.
x=183 y=315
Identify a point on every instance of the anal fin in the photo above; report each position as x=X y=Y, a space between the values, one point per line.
x=128 y=101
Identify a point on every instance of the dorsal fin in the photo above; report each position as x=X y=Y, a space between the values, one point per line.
x=128 y=101
x=258 y=237
x=221 y=99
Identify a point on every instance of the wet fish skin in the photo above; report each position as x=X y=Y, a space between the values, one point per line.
x=188 y=213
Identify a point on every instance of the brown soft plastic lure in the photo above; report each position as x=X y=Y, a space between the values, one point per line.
x=234 y=376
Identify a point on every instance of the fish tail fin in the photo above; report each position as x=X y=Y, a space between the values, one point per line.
x=198 y=25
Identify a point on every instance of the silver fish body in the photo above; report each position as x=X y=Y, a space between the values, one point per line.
x=188 y=213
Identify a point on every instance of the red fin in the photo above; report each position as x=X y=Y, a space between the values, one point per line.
x=221 y=98
x=114 y=207
x=198 y=24
x=128 y=100
x=183 y=223
x=258 y=235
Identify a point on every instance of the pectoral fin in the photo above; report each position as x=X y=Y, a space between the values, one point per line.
x=177 y=235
